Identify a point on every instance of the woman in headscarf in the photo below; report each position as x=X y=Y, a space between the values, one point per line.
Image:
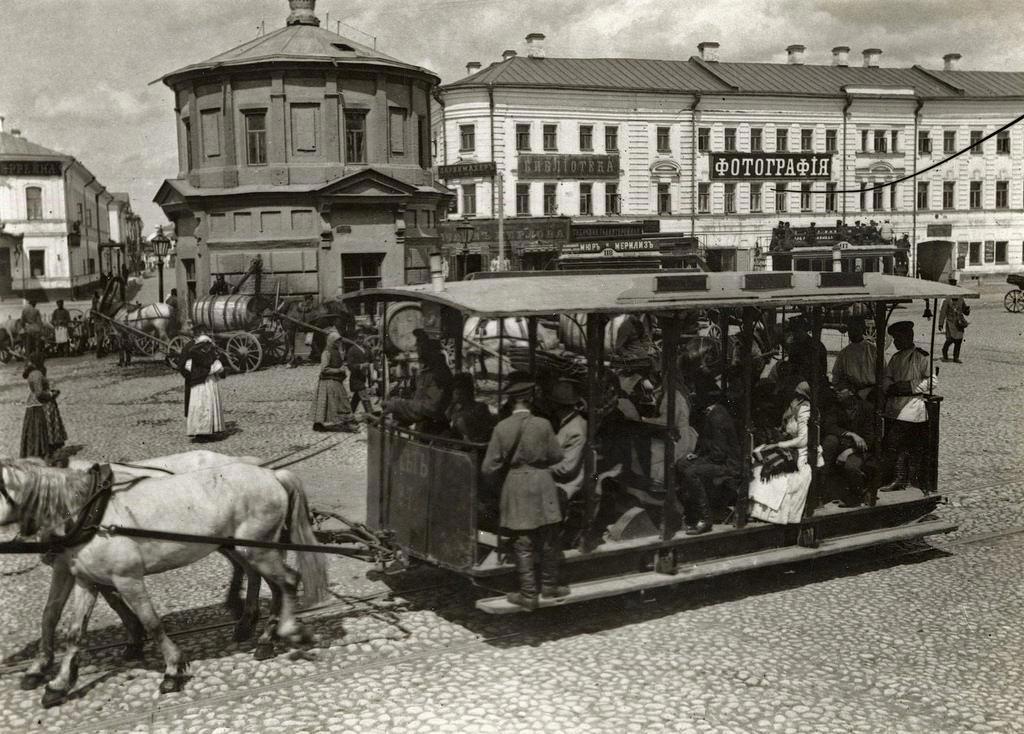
x=202 y=370
x=332 y=409
x=42 y=432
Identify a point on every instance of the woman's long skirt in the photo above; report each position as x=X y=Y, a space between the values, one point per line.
x=34 y=438
x=781 y=498
x=55 y=431
x=205 y=412
x=331 y=405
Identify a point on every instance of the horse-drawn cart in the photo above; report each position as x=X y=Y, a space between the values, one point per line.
x=248 y=333
x=1013 y=301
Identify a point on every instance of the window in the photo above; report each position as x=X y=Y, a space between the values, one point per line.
x=924 y=142
x=1003 y=143
x=781 y=140
x=703 y=197
x=830 y=196
x=881 y=145
x=894 y=139
x=975 y=142
x=523 y=136
x=611 y=198
x=948 y=194
x=730 y=138
x=730 y=198
x=256 y=138
x=359 y=271
x=864 y=196
x=756 y=139
x=611 y=138
x=922 y=194
x=92 y=265
x=188 y=142
x=37 y=263
x=305 y=128
x=831 y=145
x=586 y=137
x=33 y=202
x=780 y=197
x=975 y=195
x=550 y=199
x=355 y=137
x=551 y=137
x=805 y=197
x=975 y=253
x=876 y=199
x=864 y=141
x=806 y=139
x=664 y=199
x=663 y=140
x=210 y=128
x=755 y=197
x=1001 y=252
x=88 y=216
x=396 y=129
x=586 y=198
x=990 y=251
x=893 y=197
x=79 y=221
x=467 y=138
x=523 y=199
x=468 y=199
x=1002 y=194
x=703 y=139
x=949 y=141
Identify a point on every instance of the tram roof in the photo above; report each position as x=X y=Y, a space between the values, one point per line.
x=536 y=294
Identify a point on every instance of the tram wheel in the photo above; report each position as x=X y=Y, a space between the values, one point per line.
x=1014 y=301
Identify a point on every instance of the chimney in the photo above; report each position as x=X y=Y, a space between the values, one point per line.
x=708 y=50
x=472 y=67
x=795 y=53
x=303 y=12
x=871 y=57
x=841 y=56
x=507 y=54
x=535 y=45
x=951 y=62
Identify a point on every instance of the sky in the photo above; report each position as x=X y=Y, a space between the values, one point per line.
x=75 y=75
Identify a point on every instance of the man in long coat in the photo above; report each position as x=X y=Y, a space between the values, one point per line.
x=953 y=319
x=907 y=379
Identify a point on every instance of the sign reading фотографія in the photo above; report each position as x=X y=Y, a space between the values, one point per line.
x=774 y=166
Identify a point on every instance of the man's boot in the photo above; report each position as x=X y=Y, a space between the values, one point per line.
x=550 y=566
x=526 y=572
x=703 y=507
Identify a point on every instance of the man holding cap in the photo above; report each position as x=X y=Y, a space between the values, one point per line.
x=522 y=450
x=907 y=379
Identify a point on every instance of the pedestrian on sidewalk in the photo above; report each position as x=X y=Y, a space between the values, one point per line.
x=42 y=431
x=332 y=410
x=61 y=320
x=357 y=358
x=203 y=371
x=953 y=319
x=31 y=327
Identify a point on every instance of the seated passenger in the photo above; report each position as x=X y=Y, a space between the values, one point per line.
x=571 y=427
x=521 y=452
x=782 y=476
x=470 y=419
x=848 y=429
x=633 y=340
x=854 y=369
x=686 y=440
x=433 y=391
x=709 y=474
x=800 y=358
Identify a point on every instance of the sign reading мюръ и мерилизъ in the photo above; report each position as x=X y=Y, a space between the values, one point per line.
x=752 y=166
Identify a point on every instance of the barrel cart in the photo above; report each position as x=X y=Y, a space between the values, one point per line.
x=1013 y=301
x=244 y=327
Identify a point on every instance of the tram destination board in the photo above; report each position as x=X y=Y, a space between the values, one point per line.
x=771 y=166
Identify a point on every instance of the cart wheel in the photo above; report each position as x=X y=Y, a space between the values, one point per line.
x=244 y=352
x=1014 y=301
x=145 y=346
x=5 y=355
x=175 y=347
x=275 y=343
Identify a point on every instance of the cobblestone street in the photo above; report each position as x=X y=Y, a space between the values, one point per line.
x=924 y=637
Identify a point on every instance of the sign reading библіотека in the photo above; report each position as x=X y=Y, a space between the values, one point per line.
x=536 y=167
x=775 y=166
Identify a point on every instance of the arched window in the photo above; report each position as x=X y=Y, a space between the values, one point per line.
x=33 y=202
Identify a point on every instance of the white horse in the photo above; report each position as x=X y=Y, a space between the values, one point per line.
x=231 y=500
x=61 y=582
x=155 y=318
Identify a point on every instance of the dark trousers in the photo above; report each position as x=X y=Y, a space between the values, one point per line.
x=906 y=446
x=361 y=397
x=852 y=476
x=702 y=482
x=540 y=545
x=957 y=343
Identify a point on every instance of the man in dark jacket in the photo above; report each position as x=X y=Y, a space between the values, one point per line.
x=426 y=408
x=714 y=469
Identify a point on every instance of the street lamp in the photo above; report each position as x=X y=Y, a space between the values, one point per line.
x=160 y=246
x=466 y=235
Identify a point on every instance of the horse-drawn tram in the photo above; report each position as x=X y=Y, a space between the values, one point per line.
x=661 y=501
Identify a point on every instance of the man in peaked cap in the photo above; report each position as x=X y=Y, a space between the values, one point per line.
x=907 y=379
x=564 y=402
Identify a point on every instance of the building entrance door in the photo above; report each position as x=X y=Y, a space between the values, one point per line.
x=6 y=284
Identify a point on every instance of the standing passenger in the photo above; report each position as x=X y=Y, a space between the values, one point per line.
x=854 y=370
x=907 y=379
x=523 y=448
x=571 y=435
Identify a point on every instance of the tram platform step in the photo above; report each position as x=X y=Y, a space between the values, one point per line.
x=597 y=589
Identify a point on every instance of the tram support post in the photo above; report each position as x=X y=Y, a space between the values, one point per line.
x=595 y=386
x=723 y=326
x=531 y=333
x=458 y=321
x=814 y=424
x=501 y=359
x=881 y=318
x=747 y=433
x=670 y=519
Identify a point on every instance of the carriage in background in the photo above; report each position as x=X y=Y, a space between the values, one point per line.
x=1013 y=301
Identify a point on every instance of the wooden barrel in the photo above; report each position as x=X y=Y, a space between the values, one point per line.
x=400 y=319
x=225 y=313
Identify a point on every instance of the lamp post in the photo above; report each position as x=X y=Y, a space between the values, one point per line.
x=466 y=235
x=160 y=246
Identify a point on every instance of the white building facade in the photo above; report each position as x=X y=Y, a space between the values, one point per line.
x=663 y=125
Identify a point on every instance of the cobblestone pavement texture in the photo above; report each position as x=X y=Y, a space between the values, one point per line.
x=921 y=638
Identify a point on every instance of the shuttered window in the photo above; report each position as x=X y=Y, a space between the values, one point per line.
x=396 y=128
x=305 y=128
x=210 y=124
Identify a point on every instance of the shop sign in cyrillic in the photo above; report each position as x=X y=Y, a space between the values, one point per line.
x=554 y=166
x=517 y=230
x=471 y=169
x=30 y=168
x=771 y=166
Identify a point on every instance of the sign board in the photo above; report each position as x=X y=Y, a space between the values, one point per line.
x=939 y=230
x=30 y=168
x=471 y=169
x=520 y=230
x=771 y=166
x=616 y=247
x=614 y=230
x=556 y=166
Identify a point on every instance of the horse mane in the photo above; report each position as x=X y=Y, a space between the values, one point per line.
x=46 y=495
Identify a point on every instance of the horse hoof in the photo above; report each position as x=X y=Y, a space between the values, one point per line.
x=171 y=684
x=53 y=698
x=133 y=654
x=263 y=651
x=31 y=681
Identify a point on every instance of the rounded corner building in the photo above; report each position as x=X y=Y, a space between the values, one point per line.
x=310 y=151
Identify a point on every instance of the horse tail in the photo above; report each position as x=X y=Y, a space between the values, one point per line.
x=312 y=566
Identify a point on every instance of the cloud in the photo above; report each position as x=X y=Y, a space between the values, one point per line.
x=101 y=102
